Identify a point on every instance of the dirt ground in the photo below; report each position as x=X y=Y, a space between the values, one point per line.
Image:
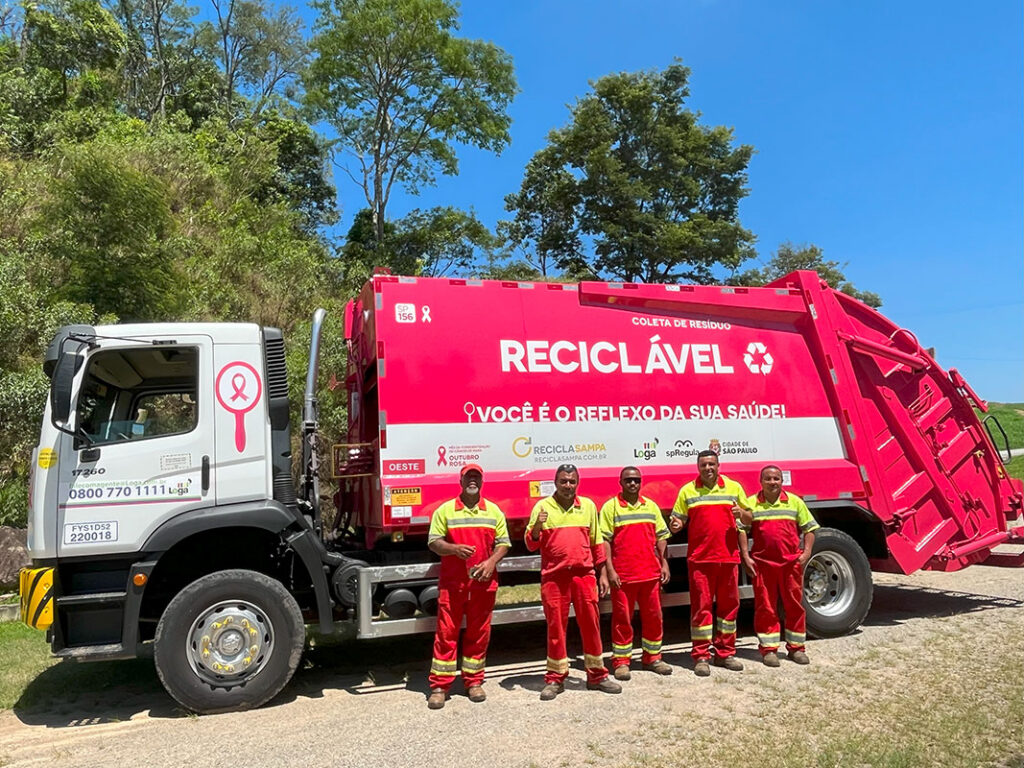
x=934 y=677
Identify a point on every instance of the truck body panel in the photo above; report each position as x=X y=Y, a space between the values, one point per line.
x=521 y=377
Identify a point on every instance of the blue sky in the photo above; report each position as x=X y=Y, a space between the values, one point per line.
x=889 y=134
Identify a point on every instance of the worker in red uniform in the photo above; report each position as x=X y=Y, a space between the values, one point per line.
x=711 y=505
x=636 y=545
x=776 y=523
x=471 y=536
x=564 y=527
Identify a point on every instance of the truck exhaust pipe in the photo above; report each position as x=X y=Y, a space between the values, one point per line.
x=310 y=482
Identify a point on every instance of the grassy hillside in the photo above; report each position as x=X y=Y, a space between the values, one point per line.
x=1011 y=417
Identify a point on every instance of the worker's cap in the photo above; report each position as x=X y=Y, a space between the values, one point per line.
x=470 y=468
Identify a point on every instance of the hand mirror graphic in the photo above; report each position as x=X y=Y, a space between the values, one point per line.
x=238 y=389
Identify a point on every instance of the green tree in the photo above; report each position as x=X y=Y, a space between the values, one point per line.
x=109 y=222
x=130 y=189
x=543 y=233
x=70 y=36
x=401 y=89
x=641 y=182
x=55 y=58
x=438 y=242
x=261 y=52
x=789 y=258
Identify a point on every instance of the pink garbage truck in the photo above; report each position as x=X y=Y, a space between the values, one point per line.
x=186 y=531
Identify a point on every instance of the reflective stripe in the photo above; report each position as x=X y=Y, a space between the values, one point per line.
x=775 y=514
x=768 y=640
x=662 y=535
x=472 y=522
x=504 y=540
x=592 y=662
x=726 y=627
x=635 y=517
x=797 y=638
x=621 y=649
x=680 y=515
x=472 y=665
x=809 y=526
x=443 y=667
x=434 y=537
x=694 y=501
x=651 y=646
x=701 y=633
x=558 y=665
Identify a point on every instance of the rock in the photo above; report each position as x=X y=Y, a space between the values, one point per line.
x=13 y=556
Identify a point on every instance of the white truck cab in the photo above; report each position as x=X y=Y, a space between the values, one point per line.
x=163 y=509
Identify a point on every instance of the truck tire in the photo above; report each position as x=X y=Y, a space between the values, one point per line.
x=837 y=584
x=228 y=641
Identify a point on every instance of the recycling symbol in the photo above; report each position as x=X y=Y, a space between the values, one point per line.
x=758 y=359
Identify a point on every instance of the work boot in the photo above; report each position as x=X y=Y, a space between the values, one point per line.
x=770 y=659
x=799 y=657
x=729 y=662
x=436 y=698
x=605 y=686
x=658 y=667
x=701 y=668
x=476 y=694
x=621 y=673
x=549 y=691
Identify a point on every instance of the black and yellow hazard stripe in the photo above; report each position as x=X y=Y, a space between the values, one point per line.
x=36 y=591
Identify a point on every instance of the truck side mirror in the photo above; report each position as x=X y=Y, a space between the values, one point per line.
x=60 y=388
x=60 y=364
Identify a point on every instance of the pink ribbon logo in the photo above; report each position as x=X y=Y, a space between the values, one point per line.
x=441 y=460
x=238 y=381
x=238 y=384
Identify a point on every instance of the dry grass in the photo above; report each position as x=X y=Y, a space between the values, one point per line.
x=932 y=701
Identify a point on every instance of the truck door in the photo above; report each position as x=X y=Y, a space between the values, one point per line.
x=144 y=433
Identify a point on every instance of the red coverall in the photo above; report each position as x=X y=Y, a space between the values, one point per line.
x=633 y=532
x=483 y=527
x=776 y=532
x=570 y=547
x=712 y=560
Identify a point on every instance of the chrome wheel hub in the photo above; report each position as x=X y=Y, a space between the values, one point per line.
x=829 y=585
x=229 y=642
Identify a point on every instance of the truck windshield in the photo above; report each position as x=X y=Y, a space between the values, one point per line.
x=138 y=393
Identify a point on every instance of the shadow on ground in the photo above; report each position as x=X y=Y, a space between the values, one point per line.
x=71 y=694
x=895 y=604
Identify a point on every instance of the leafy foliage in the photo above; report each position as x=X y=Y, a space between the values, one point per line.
x=437 y=242
x=634 y=187
x=135 y=184
x=789 y=258
x=400 y=89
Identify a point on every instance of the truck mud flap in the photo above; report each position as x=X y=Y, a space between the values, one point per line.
x=36 y=592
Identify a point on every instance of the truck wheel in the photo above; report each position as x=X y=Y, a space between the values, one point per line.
x=228 y=641
x=837 y=584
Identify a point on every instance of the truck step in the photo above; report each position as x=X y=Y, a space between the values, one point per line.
x=107 y=652
x=93 y=598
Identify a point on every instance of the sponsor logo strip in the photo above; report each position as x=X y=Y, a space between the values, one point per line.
x=512 y=447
